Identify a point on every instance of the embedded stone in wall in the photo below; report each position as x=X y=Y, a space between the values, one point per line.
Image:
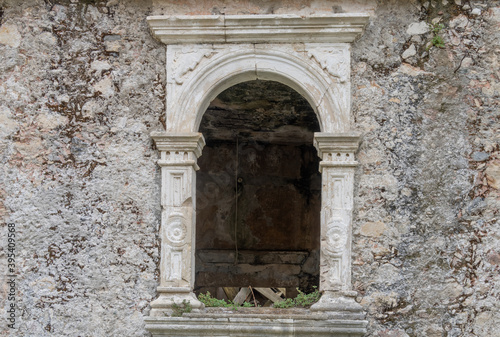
x=417 y=28
x=9 y=35
x=493 y=174
x=374 y=229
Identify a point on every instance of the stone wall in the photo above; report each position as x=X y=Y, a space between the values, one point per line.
x=426 y=244
x=82 y=86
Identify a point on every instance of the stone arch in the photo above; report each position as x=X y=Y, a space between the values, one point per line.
x=325 y=95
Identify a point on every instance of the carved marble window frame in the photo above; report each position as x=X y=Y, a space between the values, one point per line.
x=208 y=54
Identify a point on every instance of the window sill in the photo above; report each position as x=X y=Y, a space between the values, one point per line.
x=256 y=322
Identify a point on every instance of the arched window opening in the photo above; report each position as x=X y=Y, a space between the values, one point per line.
x=258 y=191
x=206 y=55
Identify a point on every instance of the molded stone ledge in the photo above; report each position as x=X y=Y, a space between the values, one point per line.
x=337 y=149
x=336 y=142
x=184 y=29
x=187 y=141
x=261 y=322
x=178 y=149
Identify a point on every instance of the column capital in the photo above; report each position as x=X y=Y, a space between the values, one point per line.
x=185 y=141
x=337 y=149
x=178 y=149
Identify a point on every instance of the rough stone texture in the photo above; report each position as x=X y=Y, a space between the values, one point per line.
x=431 y=126
x=82 y=85
x=264 y=111
x=304 y=7
x=78 y=174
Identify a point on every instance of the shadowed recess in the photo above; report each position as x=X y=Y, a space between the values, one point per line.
x=258 y=190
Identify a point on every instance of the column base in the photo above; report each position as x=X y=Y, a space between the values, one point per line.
x=337 y=301
x=170 y=297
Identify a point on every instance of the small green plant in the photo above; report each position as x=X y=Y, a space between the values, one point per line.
x=437 y=40
x=285 y=304
x=437 y=27
x=210 y=301
x=178 y=310
x=301 y=300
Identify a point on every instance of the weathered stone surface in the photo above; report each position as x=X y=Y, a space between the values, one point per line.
x=85 y=200
x=480 y=156
x=8 y=124
x=216 y=7
x=411 y=51
x=440 y=225
x=373 y=229
x=9 y=35
x=493 y=174
x=392 y=333
x=79 y=179
x=417 y=28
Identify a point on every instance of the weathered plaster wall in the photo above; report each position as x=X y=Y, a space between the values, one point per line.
x=230 y=7
x=82 y=85
x=426 y=234
x=80 y=89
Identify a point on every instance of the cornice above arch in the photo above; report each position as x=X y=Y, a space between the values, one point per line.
x=202 y=29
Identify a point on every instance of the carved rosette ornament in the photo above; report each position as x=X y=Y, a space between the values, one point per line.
x=336 y=238
x=176 y=231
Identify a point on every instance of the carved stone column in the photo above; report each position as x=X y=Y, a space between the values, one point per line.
x=178 y=155
x=337 y=168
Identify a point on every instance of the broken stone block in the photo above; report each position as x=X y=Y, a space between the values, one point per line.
x=418 y=28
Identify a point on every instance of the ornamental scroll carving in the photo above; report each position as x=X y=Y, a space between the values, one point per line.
x=186 y=60
x=334 y=61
